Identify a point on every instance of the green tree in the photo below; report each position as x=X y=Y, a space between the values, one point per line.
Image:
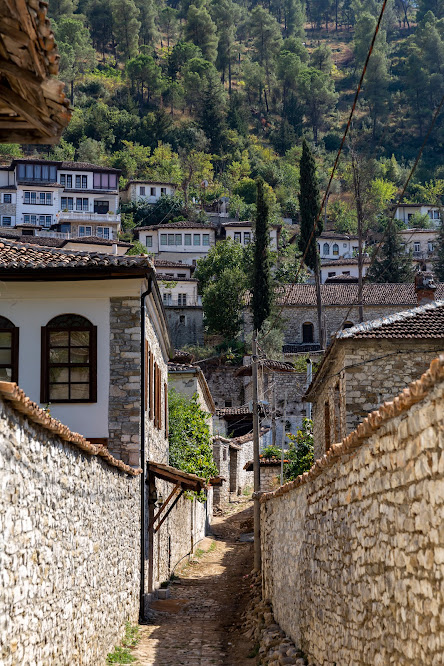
x=201 y=30
x=62 y=8
x=149 y=34
x=318 y=93
x=439 y=261
x=300 y=454
x=267 y=41
x=310 y=229
x=226 y=14
x=77 y=55
x=212 y=113
x=190 y=443
x=168 y=21
x=262 y=291
x=146 y=74
x=196 y=166
x=126 y=27
x=99 y=16
x=393 y=263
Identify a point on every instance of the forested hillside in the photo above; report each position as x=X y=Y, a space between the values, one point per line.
x=223 y=91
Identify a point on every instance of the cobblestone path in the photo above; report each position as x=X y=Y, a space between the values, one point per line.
x=201 y=624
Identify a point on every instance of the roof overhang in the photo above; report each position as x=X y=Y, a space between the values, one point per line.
x=177 y=476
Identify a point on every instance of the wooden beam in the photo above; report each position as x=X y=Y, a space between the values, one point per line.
x=26 y=110
x=175 y=489
x=8 y=67
x=18 y=35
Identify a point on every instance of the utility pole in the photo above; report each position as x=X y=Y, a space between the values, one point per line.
x=273 y=417
x=309 y=378
x=256 y=459
x=283 y=439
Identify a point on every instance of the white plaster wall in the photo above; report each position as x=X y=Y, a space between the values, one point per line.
x=37 y=209
x=339 y=268
x=31 y=305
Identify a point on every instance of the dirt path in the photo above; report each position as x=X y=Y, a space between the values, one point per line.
x=198 y=626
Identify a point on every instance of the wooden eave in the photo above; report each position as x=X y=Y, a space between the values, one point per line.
x=33 y=106
x=76 y=274
x=185 y=480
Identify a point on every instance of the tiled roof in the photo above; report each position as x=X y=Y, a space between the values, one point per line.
x=181 y=356
x=163 y=276
x=417 y=230
x=269 y=364
x=342 y=278
x=264 y=462
x=149 y=182
x=233 y=411
x=411 y=395
x=13 y=394
x=351 y=261
x=183 y=367
x=66 y=164
x=346 y=294
x=335 y=235
x=16 y=258
x=423 y=322
x=94 y=240
x=172 y=264
x=182 y=224
x=32 y=240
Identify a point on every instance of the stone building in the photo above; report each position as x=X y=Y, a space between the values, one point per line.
x=299 y=312
x=369 y=364
x=270 y=472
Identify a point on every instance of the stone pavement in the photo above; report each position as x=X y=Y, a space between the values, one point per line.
x=198 y=626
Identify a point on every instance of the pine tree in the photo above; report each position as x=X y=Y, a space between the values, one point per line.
x=201 y=30
x=261 y=301
x=126 y=26
x=212 y=115
x=309 y=208
x=439 y=261
x=392 y=264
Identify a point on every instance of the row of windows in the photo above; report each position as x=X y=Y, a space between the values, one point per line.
x=81 y=182
x=43 y=220
x=417 y=246
x=38 y=198
x=181 y=299
x=100 y=232
x=153 y=191
x=238 y=237
x=176 y=239
x=153 y=392
x=82 y=205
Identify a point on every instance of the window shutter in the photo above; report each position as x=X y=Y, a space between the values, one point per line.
x=151 y=387
x=93 y=375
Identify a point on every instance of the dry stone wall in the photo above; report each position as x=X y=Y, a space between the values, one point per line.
x=69 y=549
x=353 y=551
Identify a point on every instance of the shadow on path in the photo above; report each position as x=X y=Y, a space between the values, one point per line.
x=201 y=625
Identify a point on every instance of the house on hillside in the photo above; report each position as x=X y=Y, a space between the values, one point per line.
x=422 y=244
x=146 y=191
x=299 y=312
x=86 y=335
x=342 y=266
x=369 y=364
x=181 y=242
x=189 y=380
x=182 y=302
x=334 y=245
x=59 y=199
x=33 y=106
x=243 y=232
x=81 y=244
x=407 y=211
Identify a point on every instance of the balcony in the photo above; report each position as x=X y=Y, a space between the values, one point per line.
x=72 y=236
x=420 y=254
x=87 y=216
x=190 y=303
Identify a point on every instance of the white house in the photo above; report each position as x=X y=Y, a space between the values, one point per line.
x=242 y=232
x=341 y=266
x=405 y=212
x=178 y=241
x=333 y=245
x=422 y=243
x=60 y=199
x=147 y=191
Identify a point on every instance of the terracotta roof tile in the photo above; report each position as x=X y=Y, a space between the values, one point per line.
x=233 y=411
x=423 y=322
x=182 y=224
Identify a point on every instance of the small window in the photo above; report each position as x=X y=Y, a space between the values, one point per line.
x=63 y=179
x=430 y=246
x=85 y=231
x=181 y=300
x=79 y=204
x=9 y=336
x=163 y=239
x=78 y=182
x=103 y=232
x=178 y=239
x=182 y=319
x=7 y=198
x=345 y=272
x=205 y=239
x=42 y=198
x=327 y=426
x=336 y=249
x=187 y=239
x=228 y=403
x=238 y=236
x=149 y=241
x=430 y=214
x=417 y=247
x=347 y=324
x=152 y=191
x=344 y=245
x=225 y=453
x=331 y=273
x=436 y=214
x=196 y=239
x=6 y=221
x=69 y=365
x=194 y=262
x=326 y=248
x=181 y=275
x=307 y=332
x=142 y=191
x=167 y=299
x=84 y=182
x=247 y=238
x=163 y=191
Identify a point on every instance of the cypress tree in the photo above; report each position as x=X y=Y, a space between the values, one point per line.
x=308 y=209
x=439 y=261
x=261 y=300
x=392 y=264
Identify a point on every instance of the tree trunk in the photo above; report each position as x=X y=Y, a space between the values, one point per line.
x=229 y=75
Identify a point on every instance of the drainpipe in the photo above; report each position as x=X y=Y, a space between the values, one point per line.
x=142 y=451
x=309 y=379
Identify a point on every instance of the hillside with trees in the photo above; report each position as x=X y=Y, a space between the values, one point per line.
x=222 y=92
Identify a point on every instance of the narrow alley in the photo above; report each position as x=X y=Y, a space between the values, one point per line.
x=199 y=624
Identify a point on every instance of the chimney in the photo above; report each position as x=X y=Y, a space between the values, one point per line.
x=114 y=248
x=425 y=287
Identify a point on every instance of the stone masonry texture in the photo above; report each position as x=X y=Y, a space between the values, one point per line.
x=69 y=549
x=353 y=556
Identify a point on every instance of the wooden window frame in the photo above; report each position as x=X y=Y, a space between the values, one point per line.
x=10 y=328
x=46 y=365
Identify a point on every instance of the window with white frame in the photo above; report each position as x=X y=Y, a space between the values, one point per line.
x=163 y=191
x=81 y=182
x=85 y=231
x=7 y=198
x=416 y=246
x=82 y=204
x=6 y=221
x=67 y=203
x=247 y=237
x=38 y=198
x=105 y=181
x=103 y=232
x=38 y=172
x=326 y=248
x=336 y=249
x=167 y=299
x=142 y=191
x=187 y=239
x=178 y=239
x=205 y=239
x=152 y=191
x=181 y=299
x=430 y=246
x=149 y=241
x=45 y=220
x=436 y=214
x=237 y=236
x=163 y=239
x=196 y=239
x=170 y=239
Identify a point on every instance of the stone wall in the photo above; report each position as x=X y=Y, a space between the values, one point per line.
x=353 y=551
x=70 y=551
x=224 y=385
x=363 y=376
x=186 y=326
x=230 y=463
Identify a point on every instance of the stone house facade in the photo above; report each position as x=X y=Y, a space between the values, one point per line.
x=369 y=364
x=231 y=456
x=189 y=380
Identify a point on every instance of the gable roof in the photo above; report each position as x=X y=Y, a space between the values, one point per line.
x=176 y=368
x=24 y=260
x=345 y=294
x=48 y=241
x=182 y=224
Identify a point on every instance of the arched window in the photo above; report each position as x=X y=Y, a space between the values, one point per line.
x=347 y=324
x=69 y=360
x=9 y=335
x=307 y=332
x=326 y=248
x=336 y=249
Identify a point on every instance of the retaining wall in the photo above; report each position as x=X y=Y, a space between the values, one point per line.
x=353 y=550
